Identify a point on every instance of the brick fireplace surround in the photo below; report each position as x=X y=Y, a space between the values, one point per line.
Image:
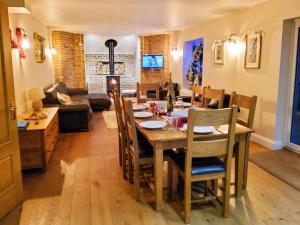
x=71 y=64
x=97 y=82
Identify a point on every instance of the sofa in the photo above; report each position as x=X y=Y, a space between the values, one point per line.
x=76 y=113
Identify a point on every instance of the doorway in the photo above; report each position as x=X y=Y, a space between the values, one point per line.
x=293 y=141
x=193 y=62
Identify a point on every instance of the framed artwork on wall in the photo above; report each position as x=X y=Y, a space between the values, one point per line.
x=219 y=53
x=39 y=48
x=253 y=51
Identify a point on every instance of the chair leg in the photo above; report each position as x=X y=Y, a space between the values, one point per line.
x=170 y=180
x=120 y=151
x=226 y=197
x=215 y=186
x=187 y=200
x=236 y=162
x=136 y=181
x=124 y=166
x=130 y=168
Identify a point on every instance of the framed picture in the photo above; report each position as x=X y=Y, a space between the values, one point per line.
x=219 y=53
x=39 y=48
x=253 y=51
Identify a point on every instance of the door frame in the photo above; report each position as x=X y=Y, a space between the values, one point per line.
x=290 y=100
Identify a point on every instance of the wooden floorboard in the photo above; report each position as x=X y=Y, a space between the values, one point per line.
x=84 y=185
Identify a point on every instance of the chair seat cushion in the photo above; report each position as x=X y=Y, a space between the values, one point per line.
x=200 y=165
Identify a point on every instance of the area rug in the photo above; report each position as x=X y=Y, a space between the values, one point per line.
x=283 y=164
x=110 y=119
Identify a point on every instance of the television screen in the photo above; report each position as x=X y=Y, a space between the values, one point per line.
x=152 y=61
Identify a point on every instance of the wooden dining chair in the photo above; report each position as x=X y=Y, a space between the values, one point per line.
x=202 y=160
x=139 y=152
x=143 y=89
x=197 y=95
x=123 y=154
x=210 y=95
x=244 y=103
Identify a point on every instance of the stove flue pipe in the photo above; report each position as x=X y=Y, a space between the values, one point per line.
x=111 y=44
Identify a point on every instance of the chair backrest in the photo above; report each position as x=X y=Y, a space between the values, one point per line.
x=245 y=102
x=197 y=93
x=216 y=94
x=132 y=142
x=142 y=89
x=119 y=111
x=217 y=144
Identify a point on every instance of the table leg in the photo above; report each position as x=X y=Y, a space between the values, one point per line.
x=246 y=161
x=240 y=166
x=158 y=174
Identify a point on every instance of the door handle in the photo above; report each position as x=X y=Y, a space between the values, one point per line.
x=13 y=111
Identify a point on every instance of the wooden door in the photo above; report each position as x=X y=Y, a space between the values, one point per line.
x=10 y=165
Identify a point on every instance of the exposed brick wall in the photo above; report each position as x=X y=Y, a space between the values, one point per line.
x=97 y=82
x=156 y=44
x=69 y=66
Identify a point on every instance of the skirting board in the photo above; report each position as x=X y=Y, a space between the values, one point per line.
x=266 y=142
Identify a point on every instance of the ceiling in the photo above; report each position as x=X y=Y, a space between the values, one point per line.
x=122 y=17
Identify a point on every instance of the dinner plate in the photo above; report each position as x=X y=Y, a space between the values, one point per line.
x=200 y=129
x=184 y=104
x=143 y=114
x=180 y=113
x=153 y=124
x=138 y=107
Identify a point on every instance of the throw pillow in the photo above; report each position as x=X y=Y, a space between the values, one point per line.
x=63 y=98
x=213 y=102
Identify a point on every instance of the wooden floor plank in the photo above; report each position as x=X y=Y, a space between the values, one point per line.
x=95 y=193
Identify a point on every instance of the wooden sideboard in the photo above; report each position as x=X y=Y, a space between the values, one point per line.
x=38 y=141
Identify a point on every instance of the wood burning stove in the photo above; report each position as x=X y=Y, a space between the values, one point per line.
x=112 y=81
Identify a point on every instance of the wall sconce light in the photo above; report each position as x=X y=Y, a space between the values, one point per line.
x=51 y=51
x=234 y=44
x=174 y=52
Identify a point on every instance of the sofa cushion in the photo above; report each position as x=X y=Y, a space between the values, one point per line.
x=99 y=101
x=63 y=98
x=78 y=97
x=50 y=95
x=62 y=88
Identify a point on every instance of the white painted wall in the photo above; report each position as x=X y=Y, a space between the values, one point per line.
x=94 y=44
x=232 y=76
x=27 y=73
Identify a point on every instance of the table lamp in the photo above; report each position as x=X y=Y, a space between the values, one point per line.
x=35 y=95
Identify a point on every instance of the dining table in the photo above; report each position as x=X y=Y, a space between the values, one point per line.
x=164 y=139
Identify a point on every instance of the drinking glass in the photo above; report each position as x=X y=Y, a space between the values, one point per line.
x=180 y=103
x=173 y=122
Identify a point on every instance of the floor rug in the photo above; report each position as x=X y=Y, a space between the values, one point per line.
x=110 y=119
x=283 y=164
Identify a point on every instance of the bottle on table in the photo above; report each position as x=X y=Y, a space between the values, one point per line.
x=170 y=96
